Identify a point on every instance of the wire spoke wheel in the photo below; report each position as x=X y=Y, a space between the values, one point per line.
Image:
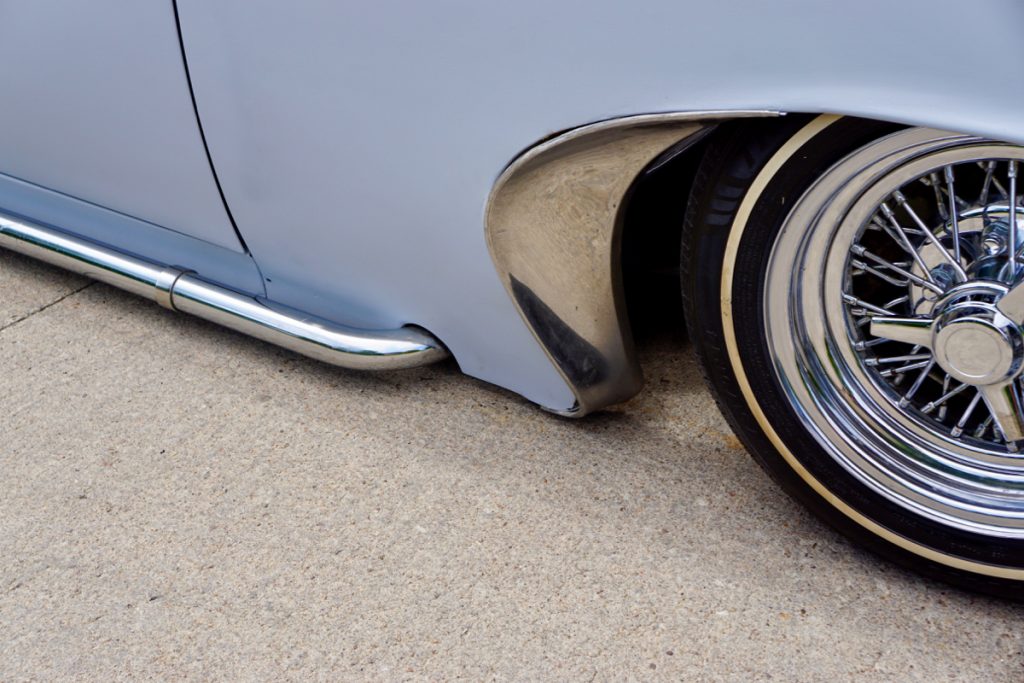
x=855 y=293
x=890 y=310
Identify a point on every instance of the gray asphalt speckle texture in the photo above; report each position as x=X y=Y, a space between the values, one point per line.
x=179 y=501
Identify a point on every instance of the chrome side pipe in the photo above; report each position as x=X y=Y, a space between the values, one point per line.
x=183 y=290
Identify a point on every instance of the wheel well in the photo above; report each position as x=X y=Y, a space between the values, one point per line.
x=653 y=216
x=651 y=232
x=554 y=225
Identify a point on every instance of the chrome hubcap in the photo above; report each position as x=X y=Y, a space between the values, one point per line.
x=974 y=343
x=975 y=346
x=894 y=310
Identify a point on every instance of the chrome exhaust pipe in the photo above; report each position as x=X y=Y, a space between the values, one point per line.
x=182 y=290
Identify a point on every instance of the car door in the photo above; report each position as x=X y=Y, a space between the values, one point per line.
x=97 y=107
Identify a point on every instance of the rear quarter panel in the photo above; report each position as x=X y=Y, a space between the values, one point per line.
x=357 y=143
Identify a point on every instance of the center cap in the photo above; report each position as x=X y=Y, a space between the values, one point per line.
x=975 y=346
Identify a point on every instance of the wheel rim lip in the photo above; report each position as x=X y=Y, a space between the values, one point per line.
x=834 y=396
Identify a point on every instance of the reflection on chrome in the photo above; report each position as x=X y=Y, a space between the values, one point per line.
x=553 y=229
x=182 y=290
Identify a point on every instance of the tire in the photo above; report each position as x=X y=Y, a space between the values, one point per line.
x=783 y=208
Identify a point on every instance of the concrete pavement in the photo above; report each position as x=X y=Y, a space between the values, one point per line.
x=178 y=501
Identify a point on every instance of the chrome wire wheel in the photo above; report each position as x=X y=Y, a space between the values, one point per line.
x=893 y=307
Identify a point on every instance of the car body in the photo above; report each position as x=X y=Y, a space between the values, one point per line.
x=381 y=185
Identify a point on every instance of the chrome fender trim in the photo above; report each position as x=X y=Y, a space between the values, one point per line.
x=553 y=227
x=182 y=290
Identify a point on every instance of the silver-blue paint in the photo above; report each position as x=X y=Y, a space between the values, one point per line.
x=356 y=143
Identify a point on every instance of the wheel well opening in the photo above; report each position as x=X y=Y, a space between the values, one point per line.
x=652 y=224
x=653 y=215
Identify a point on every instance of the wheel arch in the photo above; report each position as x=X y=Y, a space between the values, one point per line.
x=555 y=223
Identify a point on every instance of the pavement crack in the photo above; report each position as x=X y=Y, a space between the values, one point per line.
x=45 y=306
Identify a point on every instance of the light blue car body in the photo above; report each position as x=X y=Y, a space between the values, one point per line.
x=354 y=145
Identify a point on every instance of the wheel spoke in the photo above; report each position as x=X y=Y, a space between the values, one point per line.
x=927 y=284
x=901 y=238
x=896 y=302
x=908 y=358
x=959 y=428
x=1011 y=200
x=861 y=345
x=983 y=427
x=905 y=368
x=957 y=268
x=953 y=212
x=905 y=401
x=934 y=183
x=941 y=401
x=990 y=181
x=986 y=186
x=865 y=268
x=944 y=406
x=866 y=306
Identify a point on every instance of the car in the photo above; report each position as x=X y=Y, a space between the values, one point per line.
x=384 y=185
